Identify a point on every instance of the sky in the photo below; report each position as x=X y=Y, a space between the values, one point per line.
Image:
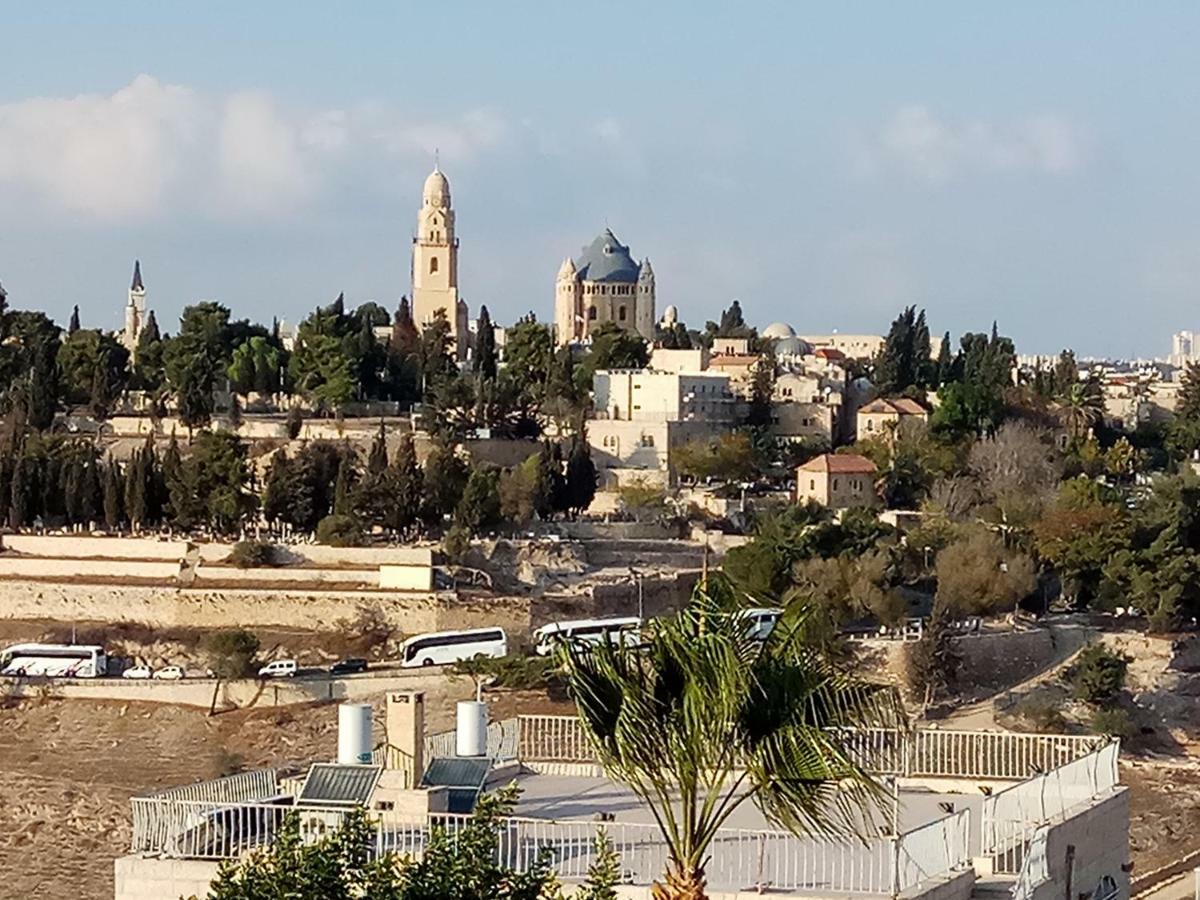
x=827 y=164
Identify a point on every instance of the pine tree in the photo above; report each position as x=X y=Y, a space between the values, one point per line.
x=73 y=326
x=484 y=361
x=135 y=489
x=377 y=461
x=406 y=339
x=112 y=494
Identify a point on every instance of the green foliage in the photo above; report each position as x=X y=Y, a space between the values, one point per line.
x=612 y=348
x=256 y=365
x=605 y=873
x=479 y=508
x=904 y=362
x=642 y=500
x=1113 y=722
x=295 y=421
x=324 y=365
x=663 y=721
x=1042 y=715
x=456 y=543
x=209 y=486
x=1098 y=674
x=730 y=457
x=230 y=652
x=978 y=575
x=340 y=531
x=252 y=555
x=94 y=368
x=195 y=357
x=445 y=479
x=932 y=664
x=580 y=484
x=517 y=671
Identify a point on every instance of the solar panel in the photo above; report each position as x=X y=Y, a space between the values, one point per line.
x=333 y=784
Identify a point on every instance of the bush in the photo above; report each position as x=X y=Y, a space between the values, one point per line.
x=456 y=543
x=252 y=555
x=1098 y=674
x=339 y=531
x=295 y=421
x=1042 y=715
x=231 y=652
x=1112 y=721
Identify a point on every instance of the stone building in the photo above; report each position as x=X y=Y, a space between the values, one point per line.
x=604 y=284
x=435 y=262
x=837 y=480
x=135 y=310
x=888 y=418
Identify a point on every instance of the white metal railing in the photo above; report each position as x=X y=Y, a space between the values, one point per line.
x=920 y=753
x=1011 y=816
x=502 y=742
x=934 y=849
x=258 y=784
x=739 y=858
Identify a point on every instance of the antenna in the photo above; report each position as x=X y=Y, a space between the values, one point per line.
x=436 y=160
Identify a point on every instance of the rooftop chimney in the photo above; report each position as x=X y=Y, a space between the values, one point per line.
x=406 y=730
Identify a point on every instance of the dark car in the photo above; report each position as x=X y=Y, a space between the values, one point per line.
x=348 y=667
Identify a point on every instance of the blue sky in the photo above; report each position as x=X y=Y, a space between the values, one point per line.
x=826 y=164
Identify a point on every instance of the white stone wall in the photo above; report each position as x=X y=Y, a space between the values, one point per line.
x=1100 y=841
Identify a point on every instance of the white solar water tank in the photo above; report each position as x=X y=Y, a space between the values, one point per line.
x=354 y=734
x=471 y=725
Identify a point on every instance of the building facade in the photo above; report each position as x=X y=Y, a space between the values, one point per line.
x=887 y=418
x=837 y=480
x=435 y=262
x=604 y=284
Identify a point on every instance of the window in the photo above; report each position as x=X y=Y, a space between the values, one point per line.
x=835 y=484
x=812 y=484
x=433 y=265
x=647 y=440
x=870 y=424
x=621 y=314
x=591 y=313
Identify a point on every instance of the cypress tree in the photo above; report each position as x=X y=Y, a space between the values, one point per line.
x=112 y=494
x=581 y=476
x=19 y=506
x=409 y=482
x=484 y=361
x=377 y=462
x=73 y=488
x=135 y=489
x=945 y=362
x=74 y=323
x=341 y=488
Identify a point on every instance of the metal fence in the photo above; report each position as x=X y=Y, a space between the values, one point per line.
x=502 y=741
x=245 y=787
x=739 y=859
x=1011 y=816
x=926 y=752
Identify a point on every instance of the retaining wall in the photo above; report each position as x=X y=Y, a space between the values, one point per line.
x=285 y=575
x=86 y=546
x=37 y=567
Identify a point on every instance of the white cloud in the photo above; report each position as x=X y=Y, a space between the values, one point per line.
x=151 y=148
x=109 y=156
x=936 y=149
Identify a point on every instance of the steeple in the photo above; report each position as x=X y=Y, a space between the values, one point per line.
x=135 y=310
x=137 y=276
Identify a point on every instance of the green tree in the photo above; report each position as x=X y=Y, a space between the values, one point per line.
x=114 y=490
x=149 y=373
x=483 y=362
x=703 y=719
x=612 y=348
x=408 y=484
x=377 y=460
x=340 y=531
x=1081 y=406
x=230 y=652
x=904 y=362
x=978 y=575
x=94 y=368
x=479 y=508
x=580 y=476
x=323 y=365
x=762 y=391
x=256 y=366
x=210 y=486
x=195 y=358
x=933 y=662
x=18 y=508
x=445 y=477
x=1098 y=674
x=341 y=488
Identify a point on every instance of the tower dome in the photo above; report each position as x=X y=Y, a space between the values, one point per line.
x=778 y=330
x=437 y=189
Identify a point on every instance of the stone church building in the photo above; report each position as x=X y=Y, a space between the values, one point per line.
x=605 y=284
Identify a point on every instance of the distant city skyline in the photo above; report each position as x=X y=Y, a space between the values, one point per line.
x=826 y=166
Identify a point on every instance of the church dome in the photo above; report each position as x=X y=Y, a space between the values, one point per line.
x=792 y=346
x=607 y=260
x=437 y=189
x=778 y=331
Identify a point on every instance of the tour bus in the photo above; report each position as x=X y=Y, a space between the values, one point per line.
x=54 y=660
x=617 y=630
x=444 y=647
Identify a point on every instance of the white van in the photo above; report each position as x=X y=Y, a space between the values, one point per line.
x=617 y=630
x=443 y=647
x=759 y=620
x=278 y=668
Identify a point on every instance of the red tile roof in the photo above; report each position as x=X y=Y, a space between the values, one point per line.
x=840 y=464
x=901 y=406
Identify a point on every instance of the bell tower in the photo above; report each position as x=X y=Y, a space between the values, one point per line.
x=435 y=260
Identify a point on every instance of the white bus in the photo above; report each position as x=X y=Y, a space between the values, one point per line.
x=623 y=630
x=444 y=647
x=760 y=620
x=54 y=660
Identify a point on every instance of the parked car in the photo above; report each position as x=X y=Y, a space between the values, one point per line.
x=137 y=672
x=170 y=673
x=348 y=666
x=279 y=668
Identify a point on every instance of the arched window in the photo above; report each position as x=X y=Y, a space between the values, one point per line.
x=433 y=265
x=621 y=314
x=591 y=313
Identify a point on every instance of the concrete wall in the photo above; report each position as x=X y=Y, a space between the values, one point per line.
x=30 y=567
x=1098 y=841
x=291 y=575
x=405 y=578
x=139 y=878
x=321 y=555
x=86 y=546
x=166 y=607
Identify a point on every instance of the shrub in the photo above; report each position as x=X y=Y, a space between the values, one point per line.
x=1042 y=715
x=231 y=652
x=295 y=421
x=339 y=531
x=456 y=543
x=252 y=555
x=1098 y=674
x=1112 y=721
x=932 y=664
x=515 y=671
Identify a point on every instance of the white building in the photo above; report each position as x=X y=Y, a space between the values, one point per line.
x=604 y=284
x=435 y=262
x=135 y=310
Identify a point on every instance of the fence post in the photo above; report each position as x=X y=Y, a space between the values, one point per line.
x=895 y=865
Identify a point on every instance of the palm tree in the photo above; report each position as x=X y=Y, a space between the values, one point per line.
x=1081 y=406
x=702 y=718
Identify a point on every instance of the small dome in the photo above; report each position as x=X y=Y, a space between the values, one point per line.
x=778 y=331
x=670 y=316
x=567 y=269
x=792 y=346
x=437 y=189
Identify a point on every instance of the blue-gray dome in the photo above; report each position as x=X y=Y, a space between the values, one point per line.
x=607 y=260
